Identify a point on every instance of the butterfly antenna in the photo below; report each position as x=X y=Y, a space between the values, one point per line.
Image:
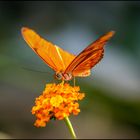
x=35 y=70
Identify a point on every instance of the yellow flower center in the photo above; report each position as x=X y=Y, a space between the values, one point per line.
x=56 y=101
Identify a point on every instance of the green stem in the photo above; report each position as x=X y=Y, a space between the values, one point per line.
x=70 y=127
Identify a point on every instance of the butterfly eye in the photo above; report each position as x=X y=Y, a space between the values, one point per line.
x=58 y=76
x=69 y=74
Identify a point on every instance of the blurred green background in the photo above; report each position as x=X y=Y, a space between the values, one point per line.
x=111 y=108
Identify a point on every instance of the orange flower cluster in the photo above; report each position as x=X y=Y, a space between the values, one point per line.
x=57 y=101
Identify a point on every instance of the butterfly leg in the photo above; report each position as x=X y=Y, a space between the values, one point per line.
x=74 y=81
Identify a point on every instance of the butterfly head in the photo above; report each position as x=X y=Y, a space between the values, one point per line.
x=58 y=76
x=63 y=76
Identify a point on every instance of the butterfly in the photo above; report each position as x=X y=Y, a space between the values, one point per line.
x=65 y=64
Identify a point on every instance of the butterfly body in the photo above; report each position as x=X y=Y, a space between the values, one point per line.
x=65 y=64
x=63 y=76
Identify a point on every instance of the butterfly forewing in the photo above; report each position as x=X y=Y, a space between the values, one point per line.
x=89 y=57
x=55 y=57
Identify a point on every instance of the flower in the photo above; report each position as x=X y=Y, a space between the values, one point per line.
x=57 y=102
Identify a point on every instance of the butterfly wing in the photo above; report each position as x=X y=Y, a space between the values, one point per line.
x=89 y=57
x=55 y=57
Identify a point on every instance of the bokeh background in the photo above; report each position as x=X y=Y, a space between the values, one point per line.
x=111 y=108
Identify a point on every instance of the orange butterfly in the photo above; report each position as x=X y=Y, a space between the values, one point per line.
x=66 y=65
